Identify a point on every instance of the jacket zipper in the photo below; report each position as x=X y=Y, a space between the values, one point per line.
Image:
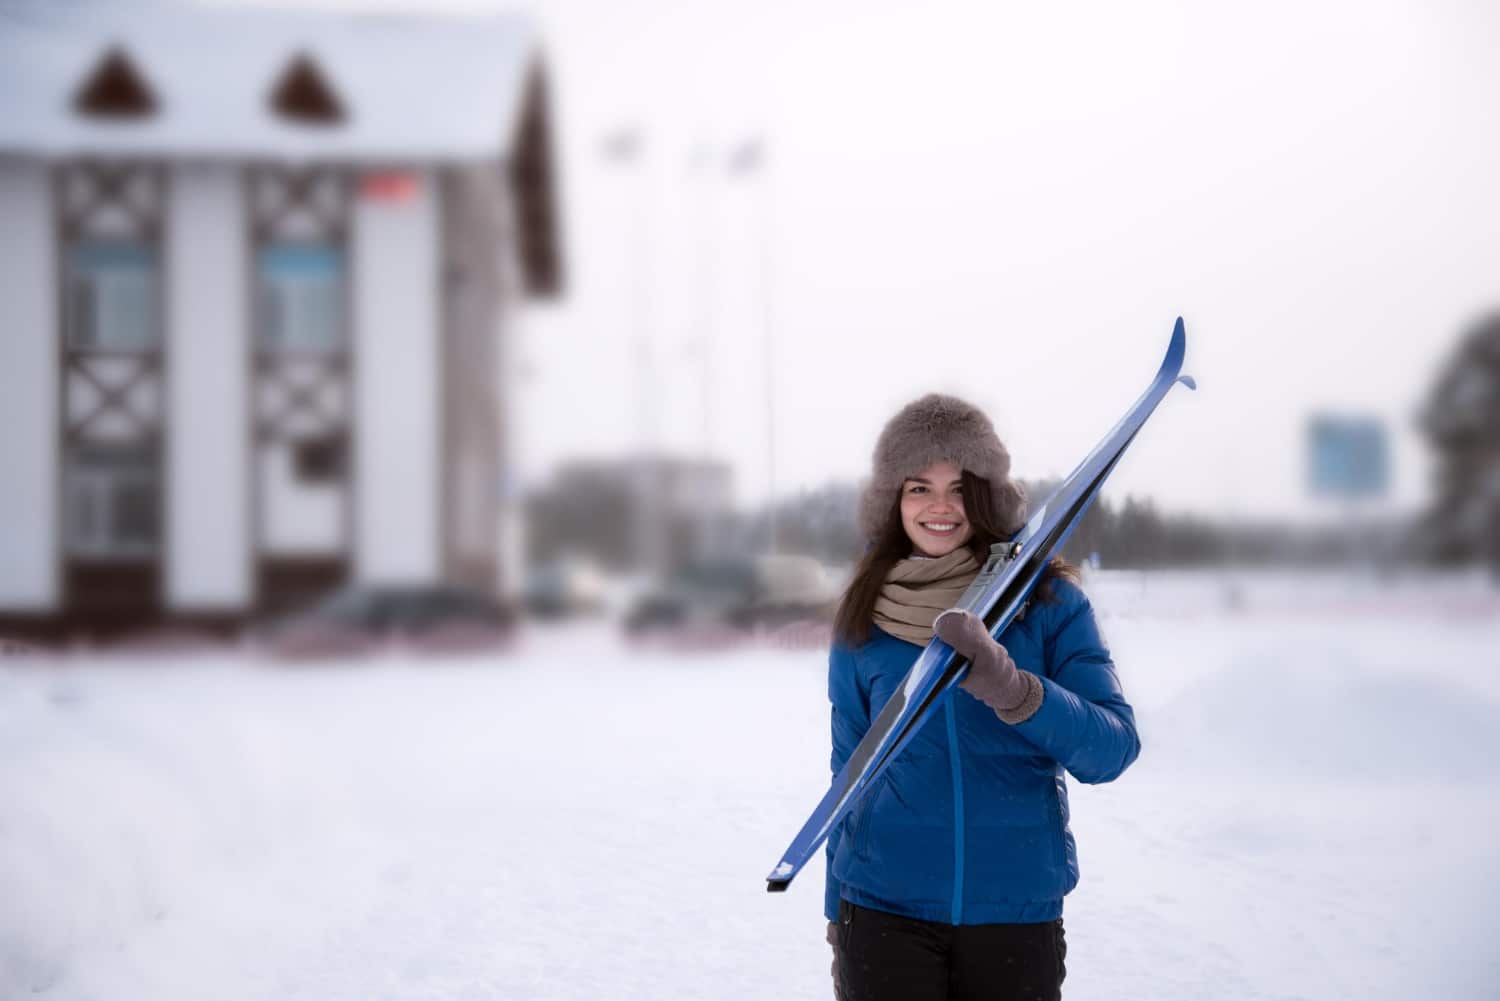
x=958 y=815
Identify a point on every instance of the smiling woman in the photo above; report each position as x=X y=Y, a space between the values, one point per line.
x=947 y=881
x=932 y=510
x=941 y=489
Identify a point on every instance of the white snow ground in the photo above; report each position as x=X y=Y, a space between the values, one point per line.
x=1313 y=816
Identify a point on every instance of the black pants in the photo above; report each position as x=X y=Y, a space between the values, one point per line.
x=885 y=957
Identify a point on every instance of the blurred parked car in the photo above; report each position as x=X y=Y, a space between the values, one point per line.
x=565 y=587
x=766 y=591
x=357 y=620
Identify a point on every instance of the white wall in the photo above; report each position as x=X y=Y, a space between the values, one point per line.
x=397 y=461
x=28 y=390
x=297 y=519
x=208 y=464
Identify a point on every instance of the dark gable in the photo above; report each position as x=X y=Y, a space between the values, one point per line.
x=304 y=95
x=115 y=89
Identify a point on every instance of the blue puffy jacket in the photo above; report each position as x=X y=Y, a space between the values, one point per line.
x=969 y=825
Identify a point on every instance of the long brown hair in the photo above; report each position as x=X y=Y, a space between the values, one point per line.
x=856 y=613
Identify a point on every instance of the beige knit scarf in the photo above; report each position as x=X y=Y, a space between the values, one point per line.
x=919 y=588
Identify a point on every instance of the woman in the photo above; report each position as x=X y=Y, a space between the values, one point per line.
x=947 y=881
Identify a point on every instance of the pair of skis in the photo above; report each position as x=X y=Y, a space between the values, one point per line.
x=1007 y=579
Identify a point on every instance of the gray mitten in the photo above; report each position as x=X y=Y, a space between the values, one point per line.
x=993 y=677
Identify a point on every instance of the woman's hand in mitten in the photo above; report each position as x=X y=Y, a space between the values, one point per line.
x=993 y=677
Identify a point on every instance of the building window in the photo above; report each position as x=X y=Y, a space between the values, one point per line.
x=320 y=460
x=111 y=300
x=113 y=501
x=301 y=291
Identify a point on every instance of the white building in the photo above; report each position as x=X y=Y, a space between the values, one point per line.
x=255 y=272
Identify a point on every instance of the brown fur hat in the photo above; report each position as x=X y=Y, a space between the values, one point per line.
x=939 y=428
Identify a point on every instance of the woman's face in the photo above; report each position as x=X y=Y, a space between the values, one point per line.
x=932 y=510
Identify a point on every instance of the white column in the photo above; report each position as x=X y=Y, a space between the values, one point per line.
x=29 y=504
x=510 y=521
x=395 y=254
x=208 y=469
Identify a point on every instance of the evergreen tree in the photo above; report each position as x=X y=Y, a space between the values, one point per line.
x=1461 y=421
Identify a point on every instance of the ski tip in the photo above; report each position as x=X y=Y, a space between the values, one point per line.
x=1176 y=350
x=1188 y=381
x=777 y=885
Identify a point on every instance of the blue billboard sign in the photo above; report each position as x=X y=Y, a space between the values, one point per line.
x=1348 y=457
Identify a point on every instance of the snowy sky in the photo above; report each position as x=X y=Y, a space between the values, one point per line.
x=1013 y=202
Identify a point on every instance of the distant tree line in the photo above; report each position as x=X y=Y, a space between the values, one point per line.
x=596 y=512
x=1129 y=534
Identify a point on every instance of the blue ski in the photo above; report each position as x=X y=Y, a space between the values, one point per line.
x=1007 y=579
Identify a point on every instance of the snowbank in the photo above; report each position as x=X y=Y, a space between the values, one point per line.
x=1309 y=819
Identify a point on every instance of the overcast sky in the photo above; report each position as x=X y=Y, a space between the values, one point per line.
x=1013 y=202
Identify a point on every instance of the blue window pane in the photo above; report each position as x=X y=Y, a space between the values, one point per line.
x=301 y=288
x=111 y=297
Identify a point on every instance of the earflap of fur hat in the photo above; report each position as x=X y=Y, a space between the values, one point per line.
x=938 y=428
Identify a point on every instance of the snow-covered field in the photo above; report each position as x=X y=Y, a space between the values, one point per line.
x=1314 y=815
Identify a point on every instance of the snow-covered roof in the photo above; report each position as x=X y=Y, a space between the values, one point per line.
x=411 y=87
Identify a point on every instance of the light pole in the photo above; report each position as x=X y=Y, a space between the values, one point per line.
x=625 y=148
x=700 y=166
x=748 y=158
